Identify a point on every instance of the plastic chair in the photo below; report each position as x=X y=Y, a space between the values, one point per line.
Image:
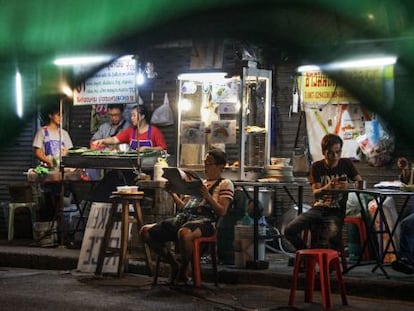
x=359 y=222
x=211 y=242
x=326 y=259
x=12 y=210
x=21 y=196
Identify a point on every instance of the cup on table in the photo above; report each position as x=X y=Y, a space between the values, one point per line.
x=361 y=184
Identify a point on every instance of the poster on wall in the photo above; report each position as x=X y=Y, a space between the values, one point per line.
x=330 y=108
x=193 y=132
x=223 y=132
x=345 y=120
x=114 y=84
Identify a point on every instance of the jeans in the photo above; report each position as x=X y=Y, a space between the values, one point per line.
x=407 y=238
x=326 y=223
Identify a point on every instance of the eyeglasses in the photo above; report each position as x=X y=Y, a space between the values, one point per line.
x=114 y=114
x=334 y=152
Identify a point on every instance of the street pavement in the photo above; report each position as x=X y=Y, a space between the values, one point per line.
x=33 y=290
x=39 y=278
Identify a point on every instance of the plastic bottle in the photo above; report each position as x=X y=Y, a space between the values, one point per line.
x=158 y=169
x=262 y=226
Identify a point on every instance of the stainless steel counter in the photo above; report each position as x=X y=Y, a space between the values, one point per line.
x=99 y=161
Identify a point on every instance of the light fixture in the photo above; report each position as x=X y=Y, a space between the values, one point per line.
x=185 y=104
x=81 y=60
x=19 y=95
x=149 y=70
x=140 y=76
x=67 y=91
x=358 y=63
x=202 y=76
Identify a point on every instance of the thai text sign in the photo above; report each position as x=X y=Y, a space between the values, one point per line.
x=112 y=84
x=319 y=88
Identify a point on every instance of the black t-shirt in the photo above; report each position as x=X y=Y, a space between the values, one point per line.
x=320 y=173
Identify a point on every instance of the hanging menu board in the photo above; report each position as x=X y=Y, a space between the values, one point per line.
x=111 y=85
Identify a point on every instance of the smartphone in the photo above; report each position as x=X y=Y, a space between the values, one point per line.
x=343 y=178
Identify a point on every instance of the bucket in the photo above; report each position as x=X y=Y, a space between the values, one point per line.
x=45 y=233
x=244 y=246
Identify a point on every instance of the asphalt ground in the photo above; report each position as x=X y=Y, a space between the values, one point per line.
x=360 y=281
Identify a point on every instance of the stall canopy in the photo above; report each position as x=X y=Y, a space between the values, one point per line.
x=34 y=32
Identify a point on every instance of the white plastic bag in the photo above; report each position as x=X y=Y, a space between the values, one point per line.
x=163 y=115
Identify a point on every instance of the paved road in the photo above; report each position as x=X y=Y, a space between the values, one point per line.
x=25 y=289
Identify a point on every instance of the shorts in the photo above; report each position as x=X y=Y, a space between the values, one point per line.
x=167 y=230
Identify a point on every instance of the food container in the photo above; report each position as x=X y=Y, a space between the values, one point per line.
x=127 y=189
x=280 y=161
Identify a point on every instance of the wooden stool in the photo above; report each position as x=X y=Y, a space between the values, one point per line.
x=211 y=242
x=105 y=250
x=326 y=258
x=359 y=222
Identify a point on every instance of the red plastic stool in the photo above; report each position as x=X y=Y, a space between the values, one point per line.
x=359 y=222
x=211 y=241
x=326 y=258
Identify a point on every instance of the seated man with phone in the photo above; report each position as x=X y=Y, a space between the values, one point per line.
x=328 y=210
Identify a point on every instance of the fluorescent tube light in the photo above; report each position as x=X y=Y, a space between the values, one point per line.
x=19 y=95
x=202 y=76
x=358 y=63
x=83 y=60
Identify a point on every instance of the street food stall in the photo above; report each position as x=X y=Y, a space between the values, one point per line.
x=233 y=114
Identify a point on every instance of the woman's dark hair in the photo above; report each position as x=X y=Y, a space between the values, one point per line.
x=48 y=108
x=142 y=109
x=219 y=156
x=329 y=140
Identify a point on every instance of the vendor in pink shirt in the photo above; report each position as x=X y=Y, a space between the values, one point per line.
x=141 y=134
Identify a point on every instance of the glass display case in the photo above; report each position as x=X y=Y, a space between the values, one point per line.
x=231 y=113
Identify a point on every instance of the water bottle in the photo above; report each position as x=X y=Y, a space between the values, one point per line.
x=158 y=169
x=262 y=226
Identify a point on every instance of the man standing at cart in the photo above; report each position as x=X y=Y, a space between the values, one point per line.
x=115 y=125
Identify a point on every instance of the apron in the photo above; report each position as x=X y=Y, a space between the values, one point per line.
x=52 y=147
x=134 y=144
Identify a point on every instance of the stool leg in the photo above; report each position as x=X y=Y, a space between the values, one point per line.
x=140 y=223
x=10 y=233
x=341 y=284
x=214 y=261
x=105 y=240
x=196 y=263
x=157 y=269
x=362 y=239
x=294 y=280
x=309 y=278
x=124 y=238
x=325 y=282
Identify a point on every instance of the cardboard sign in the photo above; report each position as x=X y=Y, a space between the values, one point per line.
x=93 y=237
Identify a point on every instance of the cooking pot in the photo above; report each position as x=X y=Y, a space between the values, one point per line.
x=265 y=200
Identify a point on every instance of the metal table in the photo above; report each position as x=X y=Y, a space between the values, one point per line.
x=378 y=248
x=256 y=263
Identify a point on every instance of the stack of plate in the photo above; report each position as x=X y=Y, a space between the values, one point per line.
x=281 y=172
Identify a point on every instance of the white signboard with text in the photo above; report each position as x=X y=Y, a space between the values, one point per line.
x=92 y=240
x=114 y=84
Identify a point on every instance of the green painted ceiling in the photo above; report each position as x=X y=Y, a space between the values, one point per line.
x=37 y=31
